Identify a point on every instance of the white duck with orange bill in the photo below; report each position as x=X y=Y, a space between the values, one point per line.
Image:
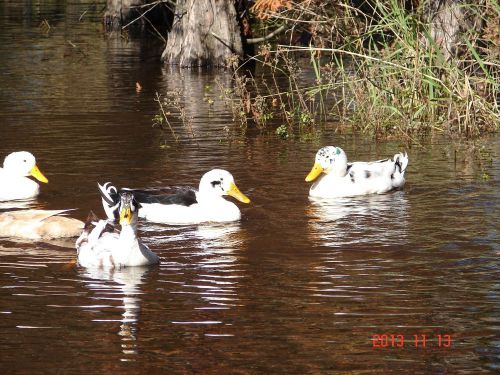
x=188 y=206
x=14 y=181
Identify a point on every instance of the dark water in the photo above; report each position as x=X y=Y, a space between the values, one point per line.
x=295 y=287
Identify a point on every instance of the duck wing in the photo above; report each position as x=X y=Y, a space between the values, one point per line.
x=184 y=197
x=165 y=196
x=378 y=176
x=93 y=230
x=378 y=168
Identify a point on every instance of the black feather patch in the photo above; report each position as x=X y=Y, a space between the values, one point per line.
x=349 y=166
x=352 y=176
x=368 y=174
x=109 y=193
x=398 y=165
x=183 y=198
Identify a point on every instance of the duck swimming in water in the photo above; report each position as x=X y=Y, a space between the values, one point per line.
x=335 y=177
x=14 y=181
x=190 y=206
x=100 y=246
x=39 y=224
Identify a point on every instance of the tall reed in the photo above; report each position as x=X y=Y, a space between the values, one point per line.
x=381 y=70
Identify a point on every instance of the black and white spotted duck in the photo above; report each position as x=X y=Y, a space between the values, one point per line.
x=335 y=177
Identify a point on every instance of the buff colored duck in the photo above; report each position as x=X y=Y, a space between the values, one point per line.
x=39 y=224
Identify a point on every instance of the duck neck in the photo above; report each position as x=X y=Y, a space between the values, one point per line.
x=12 y=173
x=128 y=233
x=339 y=172
x=208 y=196
x=339 y=167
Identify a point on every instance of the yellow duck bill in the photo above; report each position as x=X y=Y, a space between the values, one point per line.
x=35 y=172
x=236 y=193
x=125 y=216
x=316 y=170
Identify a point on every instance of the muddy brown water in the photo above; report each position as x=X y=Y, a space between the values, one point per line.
x=295 y=287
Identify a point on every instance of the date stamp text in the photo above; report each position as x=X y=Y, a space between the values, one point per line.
x=417 y=341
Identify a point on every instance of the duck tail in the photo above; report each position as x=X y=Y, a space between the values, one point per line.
x=401 y=161
x=110 y=199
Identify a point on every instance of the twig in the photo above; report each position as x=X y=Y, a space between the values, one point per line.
x=138 y=18
x=155 y=29
x=81 y=16
x=222 y=41
x=167 y=3
x=267 y=37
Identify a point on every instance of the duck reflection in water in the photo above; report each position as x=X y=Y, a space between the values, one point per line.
x=120 y=284
x=374 y=219
x=20 y=204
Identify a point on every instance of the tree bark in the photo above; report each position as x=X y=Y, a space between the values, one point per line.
x=120 y=12
x=205 y=32
x=451 y=21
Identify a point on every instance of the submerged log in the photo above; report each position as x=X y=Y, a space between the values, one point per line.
x=205 y=32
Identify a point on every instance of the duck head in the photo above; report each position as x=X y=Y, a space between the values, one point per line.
x=328 y=159
x=23 y=164
x=219 y=182
x=128 y=209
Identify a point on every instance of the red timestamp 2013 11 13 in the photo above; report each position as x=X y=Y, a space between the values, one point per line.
x=417 y=341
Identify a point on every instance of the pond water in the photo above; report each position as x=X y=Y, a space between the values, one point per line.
x=296 y=287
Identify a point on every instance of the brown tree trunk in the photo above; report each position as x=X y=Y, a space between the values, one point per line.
x=205 y=32
x=120 y=12
x=451 y=21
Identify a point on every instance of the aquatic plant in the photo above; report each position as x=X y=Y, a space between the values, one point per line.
x=171 y=105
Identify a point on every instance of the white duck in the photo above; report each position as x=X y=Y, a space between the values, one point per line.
x=39 y=224
x=190 y=206
x=342 y=179
x=14 y=181
x=96 y=247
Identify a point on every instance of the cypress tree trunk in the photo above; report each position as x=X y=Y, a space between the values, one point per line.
x=119 y=12
x=205 y=32
x=451 y=21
